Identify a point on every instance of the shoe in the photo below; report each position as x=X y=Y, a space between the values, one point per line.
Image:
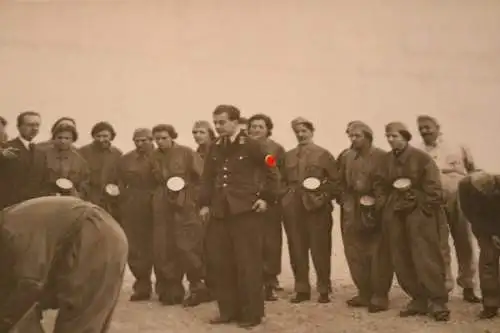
x=139 y=297
x=300 y=297
x=372 y=308
x=488 y=312
x=222 y=320
x=323 y=298
x=270 y=295
x=441 y=315
x=357 y=302
x=412 y=313
x=470 y=297
x=250 y=323
x=191 y=301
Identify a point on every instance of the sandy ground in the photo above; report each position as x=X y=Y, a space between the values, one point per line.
x=150 y=317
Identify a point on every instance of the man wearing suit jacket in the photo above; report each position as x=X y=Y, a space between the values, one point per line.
x=22 y=168
x=235 y=202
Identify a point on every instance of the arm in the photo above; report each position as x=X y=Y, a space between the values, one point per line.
x=379 y=184
x=468 y=160
x=431 y=190
x=270 y=190
x=207 y=179
x=30 y=269
x=332 y=185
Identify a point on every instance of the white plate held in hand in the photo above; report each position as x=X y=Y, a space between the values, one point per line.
x=175 y=184
x=64 y=184
x=112 y=190
x=311 y=183
x=367 y=201
x=402 y=183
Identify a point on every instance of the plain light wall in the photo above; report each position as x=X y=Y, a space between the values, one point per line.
x=138 y=63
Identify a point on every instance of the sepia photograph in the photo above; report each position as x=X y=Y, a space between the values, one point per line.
x=286 y=166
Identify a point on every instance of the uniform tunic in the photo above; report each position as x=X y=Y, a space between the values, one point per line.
x=365 y=246
x=67 y=164
x=75 y=250
x=455 y=162
x=136 y=186
x=177 y=228
x=103 y=165
x=235 y=233
x=483 y=212
x=308 y=215
x=415 y=232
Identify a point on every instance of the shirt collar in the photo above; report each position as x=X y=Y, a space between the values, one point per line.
x=25 y=142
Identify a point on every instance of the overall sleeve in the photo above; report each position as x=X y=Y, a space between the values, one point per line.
x=207 y=179
x=431 y=188
x=332 y=185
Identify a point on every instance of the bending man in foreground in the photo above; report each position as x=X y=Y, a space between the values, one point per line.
x=61 y=253
x=479 y=196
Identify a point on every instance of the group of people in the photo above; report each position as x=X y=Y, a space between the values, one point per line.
x=215 y=215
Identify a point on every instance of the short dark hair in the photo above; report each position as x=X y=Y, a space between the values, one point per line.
x=103 y=126
x=65 y=128
x=233 y=113
x=58 y=121
x=243 y=121
x=22 y=115
x=267 y=120
x=3 y=121
x=166 y=128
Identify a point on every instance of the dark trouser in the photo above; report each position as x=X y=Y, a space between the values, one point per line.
x=233 y=247
x=463 y=242
x=273 y=243
x=177 y=237
x=368 y=257
x=137 y=222
x=309 y=231
x=417 y=258
x=489 y=276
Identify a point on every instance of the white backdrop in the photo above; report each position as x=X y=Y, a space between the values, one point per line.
x=137 y=63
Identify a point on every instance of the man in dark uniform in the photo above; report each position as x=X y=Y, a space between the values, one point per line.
x=260 y=127
x=22 y=164
x=61 y=253
x=479 y=198
x=234 y=202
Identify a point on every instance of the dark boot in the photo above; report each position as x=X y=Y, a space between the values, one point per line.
x=358 y=302
x=269 y=294
x=488 y=312
x=324 y=298
x=470 y=297
x=301 y=297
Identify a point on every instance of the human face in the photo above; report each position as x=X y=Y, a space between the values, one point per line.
x=358 y=139
x=143 y=143
x=303 y=134
x=64 y=140
x=30 y=127
x=396 y=140
x=258 y=129
x=201 y=135
x=429 y=131
x=163 y=139
x=103 y=138
x=225 y=126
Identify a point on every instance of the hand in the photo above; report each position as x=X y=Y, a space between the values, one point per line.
x=496 y=241
x=204 y=213
x=9 y=152
x=260 y=206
